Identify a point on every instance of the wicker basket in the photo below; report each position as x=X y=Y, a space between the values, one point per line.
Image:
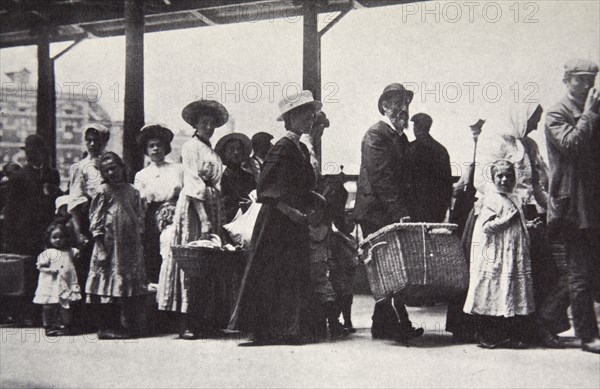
x=215 y=277
x=419 y=262
x=202 y=261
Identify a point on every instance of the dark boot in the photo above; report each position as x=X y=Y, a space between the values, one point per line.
x=336 y=329
x=186 y=332
x=347 y=313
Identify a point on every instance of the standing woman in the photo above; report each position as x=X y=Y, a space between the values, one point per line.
x=199 y=209
x=278 y=272
x=84 y=182
x=159 y=182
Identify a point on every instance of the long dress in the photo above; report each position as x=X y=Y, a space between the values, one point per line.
x=501 y=283
x=157 y=184
x=278 y=283
x=201 y=181
x=84 y=182
x=116 y=212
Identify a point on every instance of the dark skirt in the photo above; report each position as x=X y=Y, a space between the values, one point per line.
x=458 y=322
x=278 y=286
x=152 y=258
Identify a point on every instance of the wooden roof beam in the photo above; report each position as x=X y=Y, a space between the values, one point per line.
x=203 y=18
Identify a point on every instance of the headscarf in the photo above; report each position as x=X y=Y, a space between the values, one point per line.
x=506 y=141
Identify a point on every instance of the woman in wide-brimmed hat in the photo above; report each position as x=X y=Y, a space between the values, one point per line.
x=161 y=181
x=274 y=304
x=236 y=183
x=199 y=209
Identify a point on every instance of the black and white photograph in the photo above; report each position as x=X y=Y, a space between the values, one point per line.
x=299 y=193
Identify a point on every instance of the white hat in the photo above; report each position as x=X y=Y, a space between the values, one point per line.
x=296 y=100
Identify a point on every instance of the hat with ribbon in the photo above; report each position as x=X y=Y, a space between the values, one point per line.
x=296 y=100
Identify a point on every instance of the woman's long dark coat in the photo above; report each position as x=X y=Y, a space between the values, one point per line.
x=278 y=283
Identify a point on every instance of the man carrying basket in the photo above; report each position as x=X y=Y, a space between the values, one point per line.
x=383 y=197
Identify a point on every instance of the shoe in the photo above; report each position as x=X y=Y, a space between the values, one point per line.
x=50 y=332
x=113 y=334
x=348 y=325
x=409 y=333
x=337 y=331
x=493 y=345
x=515 y=344
x=593 y=346
x=570 y=342
x=552 y=341
x=188 y=334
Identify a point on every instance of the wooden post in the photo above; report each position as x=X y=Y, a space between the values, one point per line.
x=311 y=69
x=46 y=96
x=134 y=85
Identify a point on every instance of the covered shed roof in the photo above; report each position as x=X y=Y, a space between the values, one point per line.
x=67 y=20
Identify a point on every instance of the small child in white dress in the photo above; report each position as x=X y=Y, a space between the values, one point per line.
x=57 y=283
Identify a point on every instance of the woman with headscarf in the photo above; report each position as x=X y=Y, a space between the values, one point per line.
x=274 y=306
x=199 y=210
x=161 y=181
x=511 y=142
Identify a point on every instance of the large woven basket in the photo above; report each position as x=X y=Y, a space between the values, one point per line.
x=203 y=261
x=12 y=273
x=418 y=262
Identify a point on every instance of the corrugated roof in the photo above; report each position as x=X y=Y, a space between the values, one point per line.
x=67 y=20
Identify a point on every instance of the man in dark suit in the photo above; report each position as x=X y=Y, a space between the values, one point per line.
x=382 y=196
x=573 y=138
x=431 y=175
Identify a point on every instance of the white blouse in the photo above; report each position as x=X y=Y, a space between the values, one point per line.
x=159 y=182
x=84 y=182
x=203 y=168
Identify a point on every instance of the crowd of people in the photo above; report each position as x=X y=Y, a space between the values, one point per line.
x=105 y=246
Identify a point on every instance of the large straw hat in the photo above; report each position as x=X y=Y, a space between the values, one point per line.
x=296 y=100
x=208 y=107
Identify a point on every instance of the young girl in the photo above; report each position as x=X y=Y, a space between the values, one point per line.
x=117 y=274
x=57 y=284
x=501 y=287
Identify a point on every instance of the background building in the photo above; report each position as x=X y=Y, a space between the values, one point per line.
x=73 y=111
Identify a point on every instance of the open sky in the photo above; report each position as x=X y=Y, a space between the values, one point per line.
x=473 y=58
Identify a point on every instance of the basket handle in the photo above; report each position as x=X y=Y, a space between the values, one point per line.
x=370 y=255
x=438 y=230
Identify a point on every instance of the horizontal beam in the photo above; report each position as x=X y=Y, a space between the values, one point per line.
x=105 y=18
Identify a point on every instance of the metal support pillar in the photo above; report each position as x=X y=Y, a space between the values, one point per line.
x=311 y=69
x=46 y=96
x=134 y=85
